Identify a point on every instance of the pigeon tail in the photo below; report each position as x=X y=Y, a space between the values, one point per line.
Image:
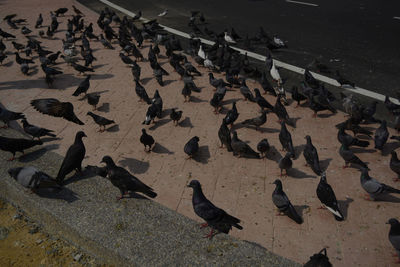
x=233 y=221
x=336 y=212
x=150 y=193
x=390 y=189
x=292 y=214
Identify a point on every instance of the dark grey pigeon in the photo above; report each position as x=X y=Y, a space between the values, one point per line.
x=73 y=158
x=15 y=145
x=394 y=236
x=282 y=202
x=257 y=121
x=311 y=155
x=175 y=116
x=286 y=139
x=192 y=146
x=147 y=140
x=93 y=99
x=101 y=121
x=319 y=259
x=374 y=188
x=381 y=136
x=327 y=197
x=263 y=147
x=231 y=115
x=285 y=163
x=261 y=101
x=124 y=181
x=350 y=158
x=83 y=86
x=141 y=92
x=215 y=217
x=245 y=91
x=36 y=131
x=224 y=136
x=150 y=114
x=55 y=108
x=240 y=148
x=395 y=165
x=31 y=177
x=7 y=116
x=349 y=140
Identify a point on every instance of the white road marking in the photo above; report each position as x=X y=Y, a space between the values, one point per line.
x=278 y=63
x=396 y=17
x=301 y=3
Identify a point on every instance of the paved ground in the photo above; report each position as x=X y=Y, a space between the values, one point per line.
x=240 y=186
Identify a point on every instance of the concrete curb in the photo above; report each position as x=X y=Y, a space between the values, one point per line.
x=130 y=232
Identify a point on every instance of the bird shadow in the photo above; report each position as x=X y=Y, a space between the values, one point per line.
x=186 y=123
x=99 y=66
x=362 y=150
x=326 y=115
x=202 y=155
x=36 y=154
x=166 y=82
x=273 y=154
x=134 y=165
x=145 y=80
x=300 y=209
x=8 y=64
x=324 y=164
x=389 y=147
x=159 y=123
x=298 y=150
x=344 y=205
x=78 y=176
x=63 y=194
x=230 y=101
x=105 y=107
x=293 y=122
x=195 y=99
x=49 y=139
x=296 y=173
x=159 y=149
x=113 y=129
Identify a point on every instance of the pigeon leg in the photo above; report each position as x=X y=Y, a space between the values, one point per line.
x=345 y=166
x=314 y=115
x=396 y=179
x=210 y=235
x=279 y=213
x=367 y=197
x=322 y=208
x=203 y=225
x=298 y=104
x=12 y=158
x=5 y=126
x=394 y=255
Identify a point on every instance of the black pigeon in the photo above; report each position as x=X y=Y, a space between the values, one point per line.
x=328 y=199
x=136 y=70
x=245 y=91
x=296 y=96
x=93 y=99
x=7 y=116
x=147 y=140
x=6 y=34
x=192 y=146
x=81 y=69
x=215 y=217
x=217 y=82
x=50 y=71
x=55 y=108
x=18 y=46
x=394 y=236
x=105 y=43
x=355 y=128
x=285 y=163
x=83 y=86
x=311 y=155
x=141 y=92
x=124 y=181
x=101 y=121
x=286 y=139
x=281 y=111
x=261 y=101
x=25 y=30
x=349 y=157
x=381 y=136
x=36 y=131
x=319 y=259
x=266 y=85
x=231 y=115
x=349 y=140
x=39 y=21
x=73 y=159
x=150 y=114
x=374 y=188
x=31 y=177
x=186 y=92
x=175 y=116
x=158 y=102
x=21 y=60
x=127 y=60
x=343 y=81
x=282 y=202
x=224 y=136
x=257 y=121
x=310 y=80
x=263 y=147
x=14 y=145
x=60 y=11
x=240 y=148
x=395 y=165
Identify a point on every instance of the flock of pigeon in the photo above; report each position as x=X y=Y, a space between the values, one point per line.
x=218 y=58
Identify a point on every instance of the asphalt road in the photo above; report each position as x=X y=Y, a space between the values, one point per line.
x=360 y=38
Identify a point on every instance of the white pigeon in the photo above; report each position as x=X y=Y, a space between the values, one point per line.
x=275 y=74
x=201 y=53
x=162 y=14
x=208 y=63
x=229 y=38
x=278 y=41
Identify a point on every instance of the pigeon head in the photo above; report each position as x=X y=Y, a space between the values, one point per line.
x=13 y=172
x=323 y=177
x=194 y=184
x=257 y=91
x=80 y=134
x=107 y=160
x=278 y=183
x=143 y=131
x=196 y=138
x=210 y=75
x=392 y=222
x=308 y=138
x=288 y=154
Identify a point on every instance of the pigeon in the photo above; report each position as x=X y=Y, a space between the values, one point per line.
x=355 y=128
x=349 y=140
x=229 y=38
x=124 y=181
x=319 y=259
x=240 y=148
x=381 y=136
x=50 y=71
x=266 y=86
x=7 y=116
x=231 y=115
x=93 y=99
x=55 y=108
x=395 y=165
x=146 y=140
x=215 y=217
x=141 y=92
x=349 y=157
x=327 y=197
x=14 y=145
x=281 y=111
x=175 y=116
x=162 y=14
x=192 y=146
x=83 y=86
x=310 y=80
x=39 y=21
x=261 y=101
x=25 y=30
x=343 y=81
x=105 y=43
x=21 y=60
x=6 y=34
x=73 y=158
x=394 y=236
x=31 y=177
x=158 y=102
x=60 y=11
x=311 y=155
x=285 y=163
x=36 y=131
x=101 y=121
x=18 y=46
x=217 y=82
x=263 y=147
x=245 y=91
x=224 y=136
x=81 y=69
x=150 y=114
x=374 y=188
x=282 y=202
x=186 y=92
x=257 y=121
x=286 y=139
x=275 y=74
